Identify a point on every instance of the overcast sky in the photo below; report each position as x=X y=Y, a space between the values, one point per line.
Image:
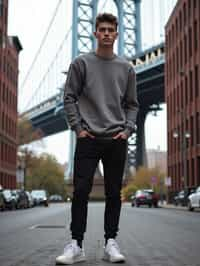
x=29 y=19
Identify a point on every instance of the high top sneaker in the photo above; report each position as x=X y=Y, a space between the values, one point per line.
x=72 y=254
x=112 y=252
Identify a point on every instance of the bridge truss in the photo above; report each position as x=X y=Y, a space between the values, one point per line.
x=83 y=41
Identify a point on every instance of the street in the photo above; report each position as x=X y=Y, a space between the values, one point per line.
x=148 y=236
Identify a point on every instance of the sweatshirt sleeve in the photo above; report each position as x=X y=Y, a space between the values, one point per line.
x=72 y=90
x=130 y=103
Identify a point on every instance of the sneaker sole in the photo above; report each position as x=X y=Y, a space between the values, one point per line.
x=107 y=258
x=70 y=262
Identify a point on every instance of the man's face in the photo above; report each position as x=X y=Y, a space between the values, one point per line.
x=106 y=34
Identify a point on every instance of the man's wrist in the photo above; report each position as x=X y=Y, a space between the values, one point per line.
x=127 y=131
x=78 y=128
x=130 y=130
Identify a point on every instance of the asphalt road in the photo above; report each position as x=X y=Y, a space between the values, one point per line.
x=148 y=237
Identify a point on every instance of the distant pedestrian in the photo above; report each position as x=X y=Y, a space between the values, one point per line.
x=101 y=106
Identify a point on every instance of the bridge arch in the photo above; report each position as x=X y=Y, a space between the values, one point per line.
x=84 y=14
x=83 y=26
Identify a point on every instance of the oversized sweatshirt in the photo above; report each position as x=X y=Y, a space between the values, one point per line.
x=100 y=95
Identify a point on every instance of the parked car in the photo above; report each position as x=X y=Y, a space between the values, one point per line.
x=21 y=199
x=182 y=197
x=40 y=197
x=30 y=199
x=155 y=197
x=2 y=203
x=9 y=199
x=145 y=197
x=194 y=200
x=55 y=198
x=132 y=198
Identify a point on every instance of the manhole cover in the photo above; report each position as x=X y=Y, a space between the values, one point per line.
x=48 y=226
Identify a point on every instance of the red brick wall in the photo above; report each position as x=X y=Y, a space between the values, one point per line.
x=182 y=91
x=8 y=102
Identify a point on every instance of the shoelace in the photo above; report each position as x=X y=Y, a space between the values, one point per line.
x=68 y=247
x=115 y=245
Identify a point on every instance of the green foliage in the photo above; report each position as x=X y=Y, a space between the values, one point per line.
x=45 y=172
x=128 y=191
x=41 y=172
x=25 y=131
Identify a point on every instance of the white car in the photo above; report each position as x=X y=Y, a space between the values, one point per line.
x=194 y=200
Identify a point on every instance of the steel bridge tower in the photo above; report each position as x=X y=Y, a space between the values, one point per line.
x=129 y=41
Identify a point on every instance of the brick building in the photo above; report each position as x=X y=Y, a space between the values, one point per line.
x=182 y=92
x=9 y=50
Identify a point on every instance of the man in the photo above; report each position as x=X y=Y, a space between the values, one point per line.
x=101 y=106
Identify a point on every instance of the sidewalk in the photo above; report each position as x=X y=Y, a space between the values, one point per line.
x=172 y=206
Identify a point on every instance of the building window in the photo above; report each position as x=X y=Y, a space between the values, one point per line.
x=197 y=128
x=189 y=9
x=186 y=90
x=176 y=26
x=191 y=87
x=181 y=89
x=198 y=170
x=185 y=48
x=177 y=59
x=1 y=8
x=196 y=80
x=181 y=54
x=184 y=13
x=193 y=172
x=180 y=20
x=3 y=121
x=195 y=36
x=190 y=41
x=1 y=38
x=192 y=130
x=177 y=104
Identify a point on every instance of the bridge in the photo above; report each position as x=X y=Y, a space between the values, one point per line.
x=48 y=113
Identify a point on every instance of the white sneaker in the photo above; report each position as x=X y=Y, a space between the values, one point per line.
x=72 y=254
x=112 y=252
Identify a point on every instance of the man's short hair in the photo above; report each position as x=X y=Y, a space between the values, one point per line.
x=106 y=17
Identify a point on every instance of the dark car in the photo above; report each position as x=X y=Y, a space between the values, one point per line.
x=145 y=197
x=182 y=197
x=155 y=197
x=9 y=200
x=55 y=198
x=21 y=199
x=40 y=197
x=2 y=203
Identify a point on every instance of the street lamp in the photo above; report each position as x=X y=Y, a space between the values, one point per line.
x=183 y=140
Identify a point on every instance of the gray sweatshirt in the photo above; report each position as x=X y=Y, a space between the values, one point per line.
x=100 y=95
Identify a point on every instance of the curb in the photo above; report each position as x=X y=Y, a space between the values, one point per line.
x=170 y=206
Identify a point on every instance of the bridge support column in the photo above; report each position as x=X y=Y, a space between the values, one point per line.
x=83 y=41
x=141 y=158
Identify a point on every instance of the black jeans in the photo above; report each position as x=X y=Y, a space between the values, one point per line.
x=87 y=155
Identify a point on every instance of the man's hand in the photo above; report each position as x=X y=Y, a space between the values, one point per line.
x=120 y=135
x=84 y=134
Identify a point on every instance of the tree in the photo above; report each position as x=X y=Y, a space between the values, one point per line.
x=143 y=179
x=128 y=191
x=26 y=133
x=46 y=173
x=41 y=171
